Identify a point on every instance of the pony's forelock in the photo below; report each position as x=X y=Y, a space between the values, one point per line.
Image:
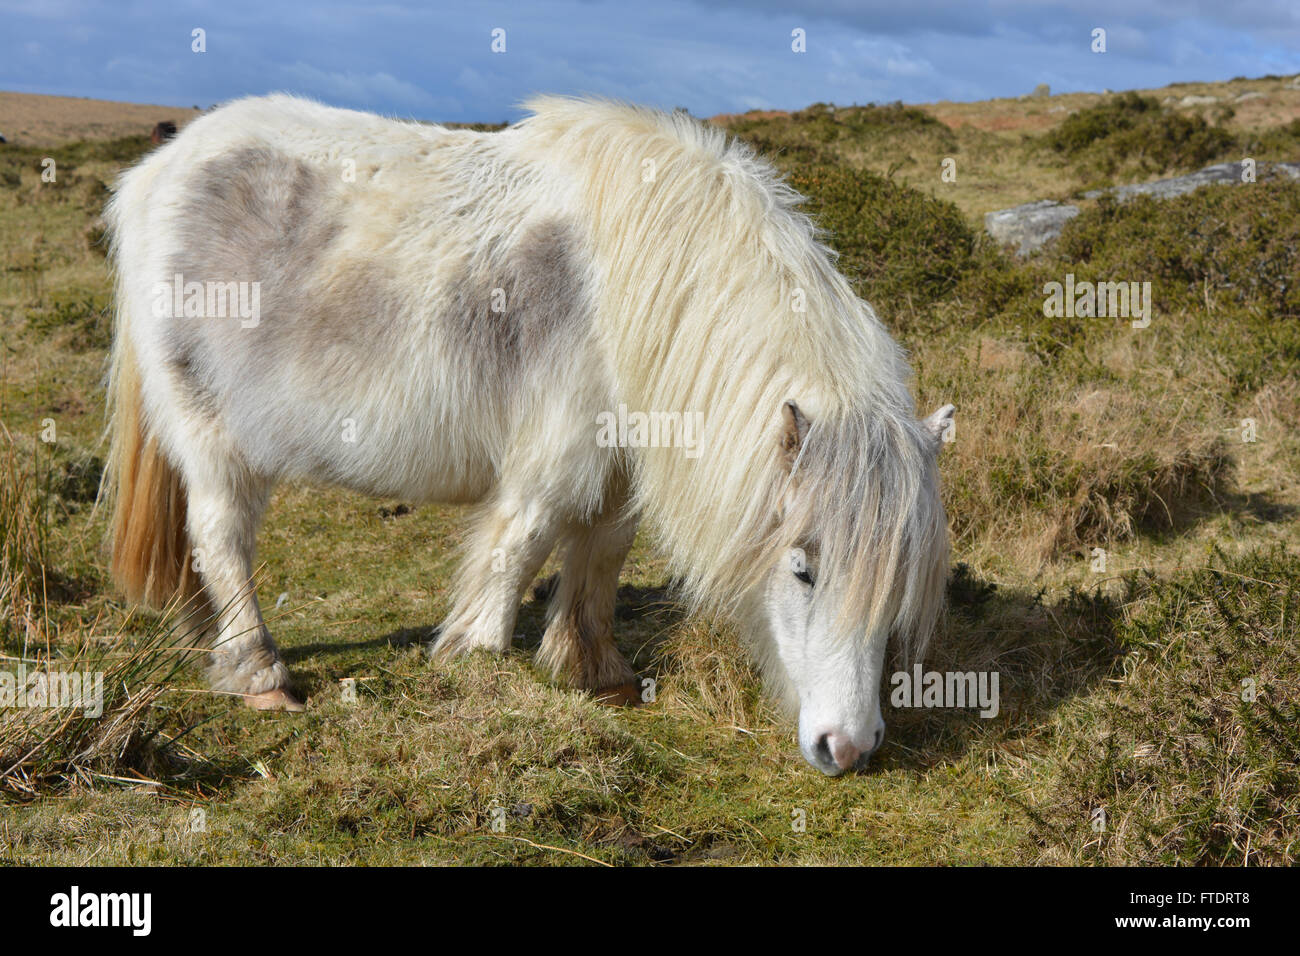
x=868 y=496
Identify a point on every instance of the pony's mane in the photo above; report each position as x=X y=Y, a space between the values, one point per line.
x=702 y=256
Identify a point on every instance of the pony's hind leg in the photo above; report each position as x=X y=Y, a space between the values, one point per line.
x=510 y=541
x=578 y=648
x=223 y=513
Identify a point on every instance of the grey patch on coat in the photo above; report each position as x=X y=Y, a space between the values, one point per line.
x=358 y=332
x=507 y=317
x=253 y=215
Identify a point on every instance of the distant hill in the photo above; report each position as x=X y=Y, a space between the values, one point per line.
x=1263 y=101
x=33 y=119
x=37 y=119
x=1004 y=152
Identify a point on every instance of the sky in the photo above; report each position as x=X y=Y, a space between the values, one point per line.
x=436 y=61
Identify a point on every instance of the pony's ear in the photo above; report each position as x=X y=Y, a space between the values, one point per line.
x=794 y=428
x=938 y=423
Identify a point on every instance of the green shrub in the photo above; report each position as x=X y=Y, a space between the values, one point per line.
x=1134 y=133
x=1279 y=143
x=71 y=184
x=1171 y=142
x=904 y=248
x=1094 y=124
x=890 y=118
x=825 y=134
x=1236 y=244
x=1223 y=264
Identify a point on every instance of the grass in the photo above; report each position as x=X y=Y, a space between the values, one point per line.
x=1121 y=689
x=1192 y=755
x=101 y=722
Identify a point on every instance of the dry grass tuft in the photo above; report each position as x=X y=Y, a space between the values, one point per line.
x=75 y=715
x=24 y=553
x=704 y=674
x=89 y=736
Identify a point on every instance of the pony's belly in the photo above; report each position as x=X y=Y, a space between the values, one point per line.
x=378 y=451
x=426 y=482
x=445 y=492
x=421 y=474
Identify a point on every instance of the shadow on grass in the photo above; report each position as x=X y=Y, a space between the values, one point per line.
x=1043 y=654
x=651 y=608
x=1186 y=513
x=403 y=637
x=1259 y=506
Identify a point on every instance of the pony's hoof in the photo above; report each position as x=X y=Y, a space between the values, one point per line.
x=277 y=698
x=620 y=695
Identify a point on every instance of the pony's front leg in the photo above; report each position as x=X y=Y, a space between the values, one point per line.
x=578 y=648
x=508 y=545
x=242 y=658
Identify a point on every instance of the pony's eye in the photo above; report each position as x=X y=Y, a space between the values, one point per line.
x=804 y=576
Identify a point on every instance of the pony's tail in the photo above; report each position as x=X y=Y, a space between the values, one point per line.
x=151 y=547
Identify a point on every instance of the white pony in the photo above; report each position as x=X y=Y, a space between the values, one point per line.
x=318 y=294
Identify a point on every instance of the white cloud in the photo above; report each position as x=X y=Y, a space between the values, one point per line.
x=369 y=89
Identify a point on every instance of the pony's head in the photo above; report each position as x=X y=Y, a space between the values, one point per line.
x=869 y=556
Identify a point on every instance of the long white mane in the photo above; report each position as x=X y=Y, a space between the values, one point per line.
x=716 y=295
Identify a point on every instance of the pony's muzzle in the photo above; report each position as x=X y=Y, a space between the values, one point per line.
x=834 y=753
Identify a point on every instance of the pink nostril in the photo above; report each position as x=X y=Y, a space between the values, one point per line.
x=842 y=750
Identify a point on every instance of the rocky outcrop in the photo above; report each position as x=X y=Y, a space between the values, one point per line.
x=1030 y=226
x=1227 y=174
x=1033 y=225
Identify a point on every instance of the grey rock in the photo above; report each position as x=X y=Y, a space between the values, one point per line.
x=1220 y=173
x=1223 y=174
x=1030 y=226
x=1192 y=100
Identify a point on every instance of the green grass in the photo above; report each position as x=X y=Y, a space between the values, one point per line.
x=1120 y=690
x=1192 y=754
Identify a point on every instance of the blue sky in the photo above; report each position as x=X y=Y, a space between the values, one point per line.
x=434 y=60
